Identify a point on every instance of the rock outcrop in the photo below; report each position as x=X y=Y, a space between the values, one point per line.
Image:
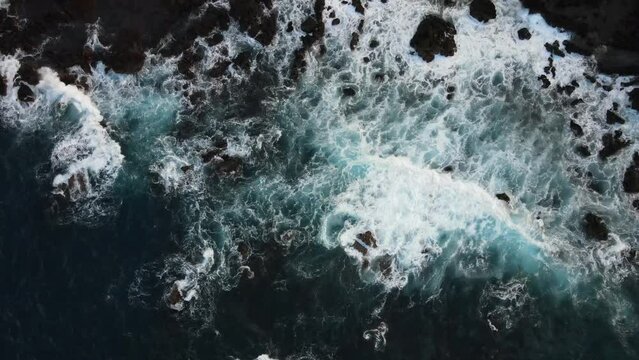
x=434 y=36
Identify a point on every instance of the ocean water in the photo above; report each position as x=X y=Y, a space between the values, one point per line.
x=259 y=243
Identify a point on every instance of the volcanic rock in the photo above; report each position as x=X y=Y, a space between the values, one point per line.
x=576 y=129
x=483 y=10
x=25 y=94
x=631 y=176
x=595 y=227
x=524 y=34
x=503 y=197
x=434 y=36
x=612 y=118
x=612 y=144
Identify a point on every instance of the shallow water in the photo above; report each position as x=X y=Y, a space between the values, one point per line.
x=456 y=272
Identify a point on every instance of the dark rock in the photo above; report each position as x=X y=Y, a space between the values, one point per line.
x=577 y=47
x=25 y=94
x=219 y=69
x=576 y=102
x=631 y=176
x=611 y=60
x=28 y=72
x=348 y=91
x=309 y=25
x=244 y=249
x=373 y=44
x=594 y=227
x=545 y=83
x=3 y=86
x=368 y=238
x=612 y=144
x=358 y=6
x=243 y=60
x=554 y=49
x=126 y=54
x=175 y=297
x=434 y=36
x=583 y=151
x=503 y=197
x=524 y=34
x=335 y=22
x=313 y=26
x=448 y=168
x=633 y=96
x=385 y=264
x=255 y=18
x=186 y=168
x=354 y=40
x=483 y=10
x=289 y=27
x=576 y=129
x=612 y=118
x=635 y=204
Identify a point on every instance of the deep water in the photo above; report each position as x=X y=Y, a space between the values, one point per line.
x=137 y=222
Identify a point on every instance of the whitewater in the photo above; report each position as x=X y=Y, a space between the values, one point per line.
x=273 y=184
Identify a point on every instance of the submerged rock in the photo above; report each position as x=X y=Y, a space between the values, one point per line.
x=25 y=94
x=576 y=129
x=633 y=96
x=612 y=118
x=348 y=91
x=612 y=144
x=631 y=176
x=483 y=10
x=595 y=227
x=434 y=36
x=3 y=86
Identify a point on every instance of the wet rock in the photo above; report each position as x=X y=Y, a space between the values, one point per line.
x=126 y=54
x=633 y=96
x=289 y=27
x=612 y=118
x=582 y=150
x=577 y=47
x=25 y=94
x=335 y=22
x=175 y=298
x=186 y=168
x=483 y=10
x=228 y=165
x=354 y=41
x=219 y=69
x=313 y=26
x=448 y=169
x=368 y=238
x=503 y=197
x=631 y=176
x=576 y=129
x=554 y=49
x=635 y=204
x=630 y=255
x=595 y=227
x=524 y=34
x=373 y=44
x=545 y=83
x=576 y=102
x=28 y=72
x=568 y=89
x=243 y=60
x=255 y=18
x=358 y=6
x=244 y=249
x=612 y=144
x=309 y=25
x=434 y=36
x=3 y=86
x=349 y=91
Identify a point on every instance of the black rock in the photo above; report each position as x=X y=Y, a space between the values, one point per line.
x=243 y=60
x=434 y=36
x=28 y=72
x=503 y=197
x=373 y=44
x=554 y=49
x=3 y=86
x=577 y=47
x=612 y=118
x=309 y=25
x=289 y=26
x=612 y=144
x=335 y=22
x=631 y=176
x=25 y=93
x=358 y=6
x=634 y=98
x=126 y=54
x=583 y=151
x=545 y=83
x=483 y=10
x=594 y=227
x=524 y=34
x=219 y=69
x=576 y=102
x=348 y=91
x=255 y=18
x=354 y=40
x=448 y=168
x=576 y=129
x=635 y=204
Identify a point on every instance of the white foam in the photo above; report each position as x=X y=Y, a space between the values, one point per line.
x=88 y=152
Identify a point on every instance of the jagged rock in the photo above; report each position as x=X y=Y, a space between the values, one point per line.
x=373 y=44
x=576 y=129
x=255 y=18
x=634 y=98
x=243 y=60
x=635 y=204
x=612 y=144
x=582 y=150
x=576 y=102
x=578 y=47
x=503 y=197
x=612 y=118
x=25 y=94
x=483 y=10
x=554 y=49
x=385 y=264
x=545 y=83
x=595 y=227
x=354 y=40
x=524 y=34
x=335 y=22
x=631 y=176
x=358 y=6
x=28 y=72
x=219 y=69
x=364 y=242
x=434 y=36
x=126 y=54
x=3 y=86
